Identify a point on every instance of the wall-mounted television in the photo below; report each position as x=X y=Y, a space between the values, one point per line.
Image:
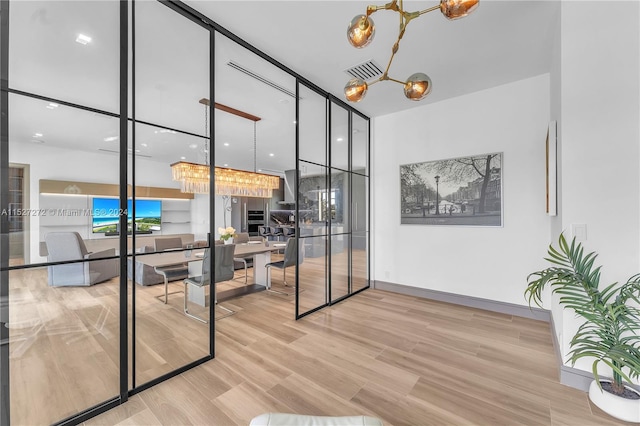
x=105 y=214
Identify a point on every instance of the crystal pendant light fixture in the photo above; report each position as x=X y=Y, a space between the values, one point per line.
x=195 y=178
x=361 y=32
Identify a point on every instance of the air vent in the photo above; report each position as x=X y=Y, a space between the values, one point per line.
x=261 y=78
x=278 y=172
x=118 y=152
x=366 y=70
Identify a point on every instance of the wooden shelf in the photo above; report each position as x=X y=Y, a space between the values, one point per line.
x=107 y=189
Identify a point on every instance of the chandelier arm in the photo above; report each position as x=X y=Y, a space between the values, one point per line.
x=431 y=9
x=396 y=81
x=393 y=5
x=396 y=45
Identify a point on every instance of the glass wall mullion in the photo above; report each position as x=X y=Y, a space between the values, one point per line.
x=124 y=142
x=5 y=393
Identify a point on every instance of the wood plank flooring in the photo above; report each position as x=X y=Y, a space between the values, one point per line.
x=403 y=359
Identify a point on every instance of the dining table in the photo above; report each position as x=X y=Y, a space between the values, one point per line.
x=164 y=262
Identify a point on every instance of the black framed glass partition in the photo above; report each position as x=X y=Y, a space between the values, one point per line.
x=63 y=336
x=333 y=200
x=98 y=101
x=170 y=125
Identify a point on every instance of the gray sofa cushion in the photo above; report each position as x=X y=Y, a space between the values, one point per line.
x=65 y=246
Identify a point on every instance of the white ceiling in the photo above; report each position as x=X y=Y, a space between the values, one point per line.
x=502 y=41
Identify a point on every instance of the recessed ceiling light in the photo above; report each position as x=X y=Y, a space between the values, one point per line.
x=226 y=144
x=259 y=170
x=144 y=145
x=295 y=122
x=356 y=131
x=37 y=141
x=52 y=105
x=193 y=146
x=164 y=131
x=111 y=139
x=340 y=139
x=83 y=39
x=37 y=135
x=183 y=158
x=226 y=165
x=271 y=155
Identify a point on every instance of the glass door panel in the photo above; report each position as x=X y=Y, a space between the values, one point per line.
x=172 y=68
x=360 y=145
x=359 y=203
x=64 y=318
x=359 y=261
x=339 y=137
x=338 y=198
x=312 y=129
x=339 y=266
x=172 y=75
x=314 y=199
x=360 y=234
x=312 y=274
x=66 y=50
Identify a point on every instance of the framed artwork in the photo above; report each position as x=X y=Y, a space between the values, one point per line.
x=551 y=169
x=464 y=191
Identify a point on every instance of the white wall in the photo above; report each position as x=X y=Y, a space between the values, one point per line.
x=555 y=95
x=485 y=262
x=600 y=135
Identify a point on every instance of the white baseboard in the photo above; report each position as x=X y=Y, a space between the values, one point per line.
x=472 y=302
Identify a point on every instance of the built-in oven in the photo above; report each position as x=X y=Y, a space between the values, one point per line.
x=255 y=219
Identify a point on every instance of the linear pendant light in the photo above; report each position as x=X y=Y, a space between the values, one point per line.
x=194 y=177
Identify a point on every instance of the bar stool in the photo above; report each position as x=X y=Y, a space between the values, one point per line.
x=276 y=232
x=265 y=232
x=288 y=232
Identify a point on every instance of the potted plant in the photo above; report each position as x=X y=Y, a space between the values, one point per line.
x=609 y=334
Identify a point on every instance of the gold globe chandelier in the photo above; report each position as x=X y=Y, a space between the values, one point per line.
x=195 y=178
x=362 y=30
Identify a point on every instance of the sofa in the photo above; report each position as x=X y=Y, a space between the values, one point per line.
x=69 y=246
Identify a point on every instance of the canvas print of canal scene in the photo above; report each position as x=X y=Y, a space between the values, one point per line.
x=463 y=191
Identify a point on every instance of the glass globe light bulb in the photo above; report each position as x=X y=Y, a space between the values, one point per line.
x=361 y=31
x=355 y=89
x=456 y=9
x=417 y=87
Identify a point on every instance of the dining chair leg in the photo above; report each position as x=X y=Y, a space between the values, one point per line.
x=186 y=311
x=228 y=311
x=269 y=289
x=166 y=290
x=245 y=268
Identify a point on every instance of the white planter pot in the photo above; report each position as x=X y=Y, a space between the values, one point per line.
x=228 y=241
x=616 y=406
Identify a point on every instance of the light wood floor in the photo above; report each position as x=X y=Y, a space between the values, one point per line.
x=405 y=360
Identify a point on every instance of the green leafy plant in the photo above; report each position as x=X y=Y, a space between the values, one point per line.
x=609 y=334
